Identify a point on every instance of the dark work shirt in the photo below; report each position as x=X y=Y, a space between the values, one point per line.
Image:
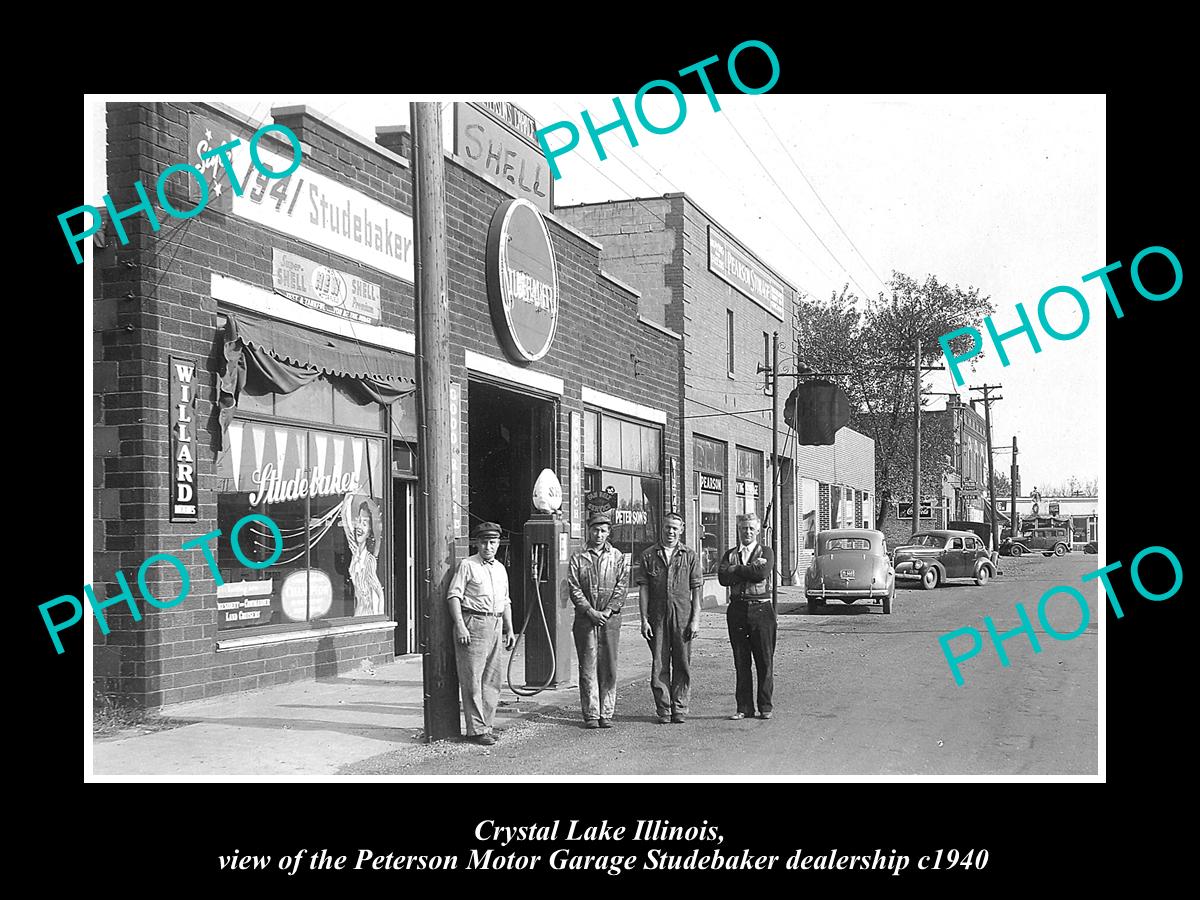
x=672 y=581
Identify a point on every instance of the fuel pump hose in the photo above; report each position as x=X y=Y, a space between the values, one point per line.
x=535 y=573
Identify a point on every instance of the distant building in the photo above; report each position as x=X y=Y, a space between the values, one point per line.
x=1079 y=513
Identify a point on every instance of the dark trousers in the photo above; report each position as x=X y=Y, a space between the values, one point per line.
x=670 y=657
x=752 y=634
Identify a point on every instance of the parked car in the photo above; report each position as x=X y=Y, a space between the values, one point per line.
x=1091 y=547
x=933 y=557
x=850 y=564
x=1047 y=540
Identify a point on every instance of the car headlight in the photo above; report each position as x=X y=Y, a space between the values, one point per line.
x=918 y=564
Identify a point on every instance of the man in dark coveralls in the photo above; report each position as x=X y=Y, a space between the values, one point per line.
x=670 y=585
x=747 y=571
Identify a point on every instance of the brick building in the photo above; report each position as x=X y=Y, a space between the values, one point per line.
x=283 y=332
x=723 y=305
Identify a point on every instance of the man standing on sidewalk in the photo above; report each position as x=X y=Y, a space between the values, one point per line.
x=670 y=584
x=479 y=608
x=747 y=571
x=597 y=580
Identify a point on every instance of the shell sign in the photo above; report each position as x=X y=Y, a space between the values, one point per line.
x=522 y=279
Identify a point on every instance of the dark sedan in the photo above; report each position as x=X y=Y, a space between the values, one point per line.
x=936 y=556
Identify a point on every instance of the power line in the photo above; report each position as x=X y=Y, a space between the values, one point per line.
x=729 y=122
x=813 y=188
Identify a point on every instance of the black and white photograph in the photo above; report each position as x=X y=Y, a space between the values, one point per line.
x=698 y=432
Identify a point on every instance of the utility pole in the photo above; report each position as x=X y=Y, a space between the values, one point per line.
x=916 y=507
x=988 y=400
x=1012 y=486
x=433 y=387
x=775 y=543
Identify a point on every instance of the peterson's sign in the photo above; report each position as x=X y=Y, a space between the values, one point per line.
x=522 y=280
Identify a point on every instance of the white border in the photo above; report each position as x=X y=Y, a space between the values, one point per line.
x=497 y=368
x=627 y=407
x=247 y=296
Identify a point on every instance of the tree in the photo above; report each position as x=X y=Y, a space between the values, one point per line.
x=874 y=342
x=1002 y=484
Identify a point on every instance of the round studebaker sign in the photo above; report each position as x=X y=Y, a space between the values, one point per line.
x=522 y=279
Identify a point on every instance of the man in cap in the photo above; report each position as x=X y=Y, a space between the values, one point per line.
x=747 y=571
x=480 y=608
x=597 y=580
x=670 y=584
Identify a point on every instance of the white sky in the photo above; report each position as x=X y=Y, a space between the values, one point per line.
x=1002 y=193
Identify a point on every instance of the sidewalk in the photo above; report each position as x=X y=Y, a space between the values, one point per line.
x=314 y=728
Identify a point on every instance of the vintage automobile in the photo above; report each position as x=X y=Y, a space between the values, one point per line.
x=1048 y=540
x=1091 y=547
x=850 y=564
x=936 y=556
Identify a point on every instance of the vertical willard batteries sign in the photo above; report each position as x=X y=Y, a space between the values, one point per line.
x=181 y=394
x=305 y=205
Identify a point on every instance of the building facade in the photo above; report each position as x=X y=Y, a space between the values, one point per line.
x=700 y=284
x=258 y=358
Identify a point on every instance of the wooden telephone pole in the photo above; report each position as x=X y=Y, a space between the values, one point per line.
x=988 y=400
x=433 y=387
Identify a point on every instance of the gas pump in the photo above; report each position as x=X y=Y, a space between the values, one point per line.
x=547 y=550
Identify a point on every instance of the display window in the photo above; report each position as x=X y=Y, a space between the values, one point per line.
x=709 y=459
x=324 y=490
x=749 y=497
x=623 y=475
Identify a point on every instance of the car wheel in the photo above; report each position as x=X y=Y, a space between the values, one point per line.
x=887 y=602
x=1016 y=550
x=985 y=572
x=1060 y=549
x=930 y=579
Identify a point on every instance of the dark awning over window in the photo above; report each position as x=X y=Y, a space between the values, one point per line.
x=325 y=353
x=286 y=358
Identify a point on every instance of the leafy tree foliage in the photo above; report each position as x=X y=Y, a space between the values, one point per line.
x=873 y=341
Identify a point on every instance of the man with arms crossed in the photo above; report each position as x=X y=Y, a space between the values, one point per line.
x=747 y=571
x=597 y=580
x=479 y=608
x=670 y=585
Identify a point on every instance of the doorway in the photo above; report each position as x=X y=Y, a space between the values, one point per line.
x=407 y=636
x=510 y=439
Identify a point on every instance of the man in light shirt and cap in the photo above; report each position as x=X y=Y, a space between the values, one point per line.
x=481 y=611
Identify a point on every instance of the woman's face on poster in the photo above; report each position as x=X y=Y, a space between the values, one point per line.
x=362 y=526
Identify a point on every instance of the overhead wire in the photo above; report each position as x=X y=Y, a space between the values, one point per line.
x=813 y=188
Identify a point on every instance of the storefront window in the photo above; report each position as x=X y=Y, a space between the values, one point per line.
x=809 y=495
x=325 y=493
x=748 y=497
x=623 y=474
x=709 y=460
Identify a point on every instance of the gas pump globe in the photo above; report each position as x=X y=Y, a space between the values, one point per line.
x=547 y=492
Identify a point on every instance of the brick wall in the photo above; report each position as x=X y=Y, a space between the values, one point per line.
x=155 y=300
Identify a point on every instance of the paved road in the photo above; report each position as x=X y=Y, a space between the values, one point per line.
x=856 y=692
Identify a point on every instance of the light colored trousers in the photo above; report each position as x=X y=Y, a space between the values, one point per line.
x=596 y=648
x=480 y=667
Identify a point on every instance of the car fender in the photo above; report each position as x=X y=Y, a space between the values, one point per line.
x=941 y=567
x=985 y=562
x=1022 y=545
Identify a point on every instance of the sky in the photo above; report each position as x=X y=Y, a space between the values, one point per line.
x=1002 y=193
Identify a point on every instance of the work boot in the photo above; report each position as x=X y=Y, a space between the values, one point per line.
x=590 y=723
x=605 y=723
x=663 y=718
x=485 y=740
x=678 y=718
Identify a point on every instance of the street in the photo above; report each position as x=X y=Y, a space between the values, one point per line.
x=856 y=693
